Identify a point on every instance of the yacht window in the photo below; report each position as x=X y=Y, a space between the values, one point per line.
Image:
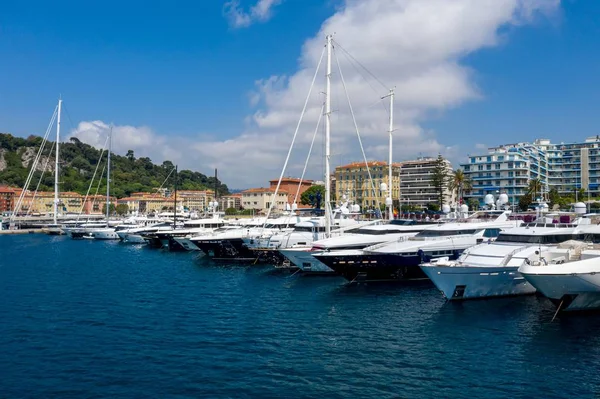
x=491 y=232
x=383 y=232
x=540 y=239
x=306 y=229
x=442 y=233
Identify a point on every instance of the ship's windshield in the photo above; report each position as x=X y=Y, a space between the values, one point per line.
x=534 y=239
x=442 y=233
x=382 y=232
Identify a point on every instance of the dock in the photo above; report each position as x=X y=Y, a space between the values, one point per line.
x=23 y=231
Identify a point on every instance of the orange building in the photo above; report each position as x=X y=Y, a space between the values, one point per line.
x=7 y=198
x=290 y=186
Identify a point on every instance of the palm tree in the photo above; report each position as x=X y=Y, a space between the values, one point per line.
x=459 y=183
x=535 y=188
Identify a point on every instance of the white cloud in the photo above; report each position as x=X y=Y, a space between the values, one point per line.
x=259 y=12
x=415 y=45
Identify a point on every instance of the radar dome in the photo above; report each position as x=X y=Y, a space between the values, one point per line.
x=464 y=208
x=446 y=208
x=294 y=206
x=580 y=208
x=489 y=199
x=388 y=201
x=383 y=187
x=355 y=208
x=503 y=199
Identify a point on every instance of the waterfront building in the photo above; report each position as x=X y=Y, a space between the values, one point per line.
x=230 y=201
x=292 y=186
x=353 y=181
x=416 y=187
x=7 y=199
x=509 y=168
x=260 y=199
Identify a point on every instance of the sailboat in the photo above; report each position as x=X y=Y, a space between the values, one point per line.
x=55 y=228
x=107 y=233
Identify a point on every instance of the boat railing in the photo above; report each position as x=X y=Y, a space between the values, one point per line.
x=512 y=253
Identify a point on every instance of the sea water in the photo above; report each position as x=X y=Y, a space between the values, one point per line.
x=87 y=319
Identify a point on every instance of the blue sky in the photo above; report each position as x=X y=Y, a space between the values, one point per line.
x=184 y=82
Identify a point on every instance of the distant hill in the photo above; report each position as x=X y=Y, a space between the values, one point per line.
x=77 y=162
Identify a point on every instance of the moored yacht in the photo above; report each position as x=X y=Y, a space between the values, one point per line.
x=491 y=269
x=359 y=238
x=399 y=260
x=568 y=275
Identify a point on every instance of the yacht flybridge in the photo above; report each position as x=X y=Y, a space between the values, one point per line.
x=399 y=260
x=491 y=269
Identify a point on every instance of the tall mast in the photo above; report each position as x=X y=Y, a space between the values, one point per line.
x=108 y=175
x=56 y=162
x=175 y=204
x=390 y=200
x=216 y=203
x=327 y=140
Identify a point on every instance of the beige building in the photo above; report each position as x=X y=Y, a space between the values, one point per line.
x=230 y=201
x=261 y=198
x=353 y=181
x=42 y=202
x=415 y=183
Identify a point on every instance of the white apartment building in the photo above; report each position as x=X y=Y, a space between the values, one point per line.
x=509 y=168
x=416 y=188
x=261 y=198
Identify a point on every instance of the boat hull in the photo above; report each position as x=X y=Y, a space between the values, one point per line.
x=571 y=292
x=470 y=282
x=226 y=249
x=374 y=267
x=305 y=260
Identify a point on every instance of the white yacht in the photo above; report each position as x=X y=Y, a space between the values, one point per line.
x=358 y=238
x=569 y=274
x=400 y=259
x=491 y=269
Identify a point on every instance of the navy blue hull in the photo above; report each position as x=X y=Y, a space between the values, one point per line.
x=377 y=267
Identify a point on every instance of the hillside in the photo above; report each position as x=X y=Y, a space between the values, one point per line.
x=77 y=163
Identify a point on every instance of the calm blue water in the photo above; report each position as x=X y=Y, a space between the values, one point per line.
x=84 y=319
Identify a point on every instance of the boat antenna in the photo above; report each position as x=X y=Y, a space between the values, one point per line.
x=216 y=203
x=108 y=174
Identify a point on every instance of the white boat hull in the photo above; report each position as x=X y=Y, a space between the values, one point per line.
x=470 y=282
x=130 y=238
x=576 y=291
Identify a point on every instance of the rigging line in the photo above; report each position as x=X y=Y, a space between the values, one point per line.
x=364 y=67
x=375 y=194
x=68 y=117
x=309 y=151
x=93 y=177
x=34 y=166
x=369 y=83
x=98 y=188
x=294 y=139
x=41 y=177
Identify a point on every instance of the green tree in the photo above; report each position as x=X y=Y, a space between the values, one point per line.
x=313 y=190
x=534 y=189
x=231 y=211
x=130 y=155
x=459 y=182
x=473 y=204
x=122 y=209
x=433 y=207
x=440 y=178
x=111 y=209
x=525 y=201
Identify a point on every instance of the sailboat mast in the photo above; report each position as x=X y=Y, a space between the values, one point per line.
x=216 y=203
x=175 y=204
x=108 y=175
x=56 y=162
x=327 y=140
x=390 y=202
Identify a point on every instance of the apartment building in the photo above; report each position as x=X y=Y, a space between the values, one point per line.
x=261 y=198
x=509 y=168
x=352 y=180
x=7 y=198
x=292 y=186
x=416 y=188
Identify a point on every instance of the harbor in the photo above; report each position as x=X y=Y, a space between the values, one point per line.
x=123 y=321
